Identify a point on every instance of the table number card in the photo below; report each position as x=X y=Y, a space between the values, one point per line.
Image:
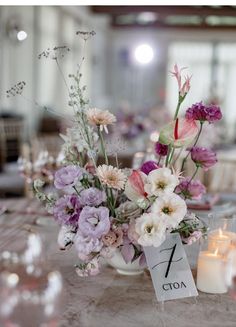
x=170 y=271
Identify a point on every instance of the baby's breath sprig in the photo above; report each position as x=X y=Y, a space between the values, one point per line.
x=17 y=89
x=55 y=53
x=77 y=97
x=86 y=35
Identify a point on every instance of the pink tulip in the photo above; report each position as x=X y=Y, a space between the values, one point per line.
x=180 y=132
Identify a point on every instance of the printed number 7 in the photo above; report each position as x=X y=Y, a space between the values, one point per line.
x=170 y=260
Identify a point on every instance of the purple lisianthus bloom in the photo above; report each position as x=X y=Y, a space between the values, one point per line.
x=149 y=166
x=94 y=222
x=67 y=210
x=161 y=149
x=68 y=176
x=85 y=245
x=92 y=197
x=192 y=190
x=201 y=112
x=203 y=157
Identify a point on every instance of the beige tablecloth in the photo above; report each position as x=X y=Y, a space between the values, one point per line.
x=113 y=300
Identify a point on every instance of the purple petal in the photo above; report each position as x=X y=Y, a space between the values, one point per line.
x=142 y=261
x=127 y=252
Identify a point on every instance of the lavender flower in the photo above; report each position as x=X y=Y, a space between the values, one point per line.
x=201 y=112
x=192 y=190
x=67 y=177
x=161 y=149
x=149 y=166
x=85 y=245
x=92 y=197
x=203 y=157
x=67 y=210
x=94 y=222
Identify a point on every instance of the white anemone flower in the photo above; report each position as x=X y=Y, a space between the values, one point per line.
x=170 y=208
x=151 y=230
x=160 y=182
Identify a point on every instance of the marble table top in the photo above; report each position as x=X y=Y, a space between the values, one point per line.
x=113 y=300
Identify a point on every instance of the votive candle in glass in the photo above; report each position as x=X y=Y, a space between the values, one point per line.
x=210 y=273
x=220 y=240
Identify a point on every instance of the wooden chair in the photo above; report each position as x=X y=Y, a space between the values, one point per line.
x=2 y=146
x=13 y=129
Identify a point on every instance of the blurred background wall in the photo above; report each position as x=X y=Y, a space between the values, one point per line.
x=126 y=69
x=47 y=27
x=113 y=76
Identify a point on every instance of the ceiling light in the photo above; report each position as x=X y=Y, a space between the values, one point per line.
x=144 y=54
x=146 y=18
x=21 y=35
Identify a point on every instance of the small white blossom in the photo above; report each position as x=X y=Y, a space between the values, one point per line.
x=38 y=183
x=151 y=230
x=170 y=208
x=160 y=182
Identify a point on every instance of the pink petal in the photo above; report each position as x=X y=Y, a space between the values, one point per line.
x=136 y=182
x=127 y=252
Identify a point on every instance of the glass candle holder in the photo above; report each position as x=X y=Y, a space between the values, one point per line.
x=30 y=292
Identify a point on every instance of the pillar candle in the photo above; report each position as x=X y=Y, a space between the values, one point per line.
x=210 y=270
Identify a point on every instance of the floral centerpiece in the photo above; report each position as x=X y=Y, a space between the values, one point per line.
x=102 y=208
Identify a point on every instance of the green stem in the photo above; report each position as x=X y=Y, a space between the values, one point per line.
x=168 y=154
x=185 y=159
x=171 y=155
x=194 y=174
x=181 y=99
x=103 y=145
x=75 y=190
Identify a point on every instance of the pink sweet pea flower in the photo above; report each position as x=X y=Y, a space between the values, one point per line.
x=190 y=189
x=149 y=166
x=180 y=132
x=203 y=157
x=185 y=87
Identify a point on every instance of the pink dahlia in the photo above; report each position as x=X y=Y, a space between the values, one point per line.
x=203 y=157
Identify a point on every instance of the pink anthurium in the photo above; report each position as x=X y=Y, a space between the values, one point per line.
x=180 y=132
x=134 y=188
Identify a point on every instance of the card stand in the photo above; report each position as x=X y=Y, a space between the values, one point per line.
x=170 y=272
x=159 y=305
